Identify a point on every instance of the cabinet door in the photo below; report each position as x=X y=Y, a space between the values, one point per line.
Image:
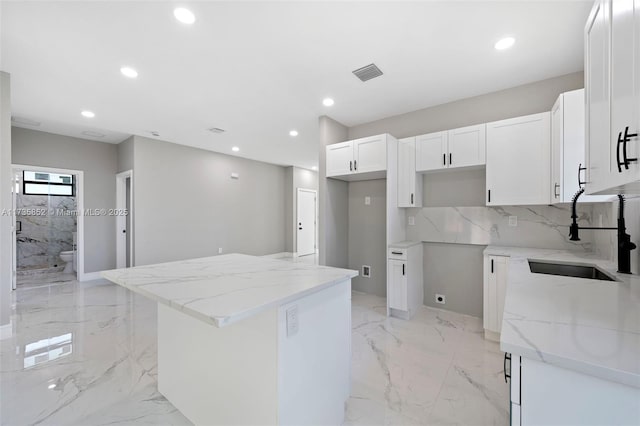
x=467 y=146
x=407 y=172
x=431 y=152
x=518 y=161
x=557 y=140
x=339 y=159
x=397 y=285
x=494 y=292
x=597 y=96
x=370 y=154
x=625 y=88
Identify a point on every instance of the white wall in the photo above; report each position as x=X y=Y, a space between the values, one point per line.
x=186 y=205
x=98 y=160
x=5 y=199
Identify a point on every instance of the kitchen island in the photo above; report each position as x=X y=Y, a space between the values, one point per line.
x=250 y=340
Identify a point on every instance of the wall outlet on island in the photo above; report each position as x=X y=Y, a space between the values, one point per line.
x=219 y=250
x=367 y=201
x=441 y=299
x=513 y=220
x=412 y=220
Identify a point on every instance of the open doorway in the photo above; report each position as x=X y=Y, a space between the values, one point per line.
x=306 y=222
x=48 y=225
x=124 y=222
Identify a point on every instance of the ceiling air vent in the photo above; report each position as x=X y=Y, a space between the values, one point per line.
x=25 y=121
x=368 y=72
x=216 y=130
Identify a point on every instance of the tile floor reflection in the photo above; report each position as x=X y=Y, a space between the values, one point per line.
x=85 y=354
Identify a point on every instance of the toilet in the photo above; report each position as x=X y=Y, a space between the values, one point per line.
x=69 y=258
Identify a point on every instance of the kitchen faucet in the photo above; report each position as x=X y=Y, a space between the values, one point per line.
x=624 y=240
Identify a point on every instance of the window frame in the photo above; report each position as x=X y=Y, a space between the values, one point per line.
x=25 y=182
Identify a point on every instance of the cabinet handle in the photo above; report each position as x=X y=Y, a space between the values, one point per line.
x=412 y=198
x=626 y=138
x=489 y=195
x=350 y=166
x=555 y=190
x=504 y=366
x=355 y=165
x=403 y=269
x=396 y=252
x=580 y=181
x=450 y=159
x=492 y=266
x=444 y=159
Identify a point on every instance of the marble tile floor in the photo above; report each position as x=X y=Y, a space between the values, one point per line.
x=85 y=354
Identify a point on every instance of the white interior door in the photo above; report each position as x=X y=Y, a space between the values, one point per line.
x=14 y=234
x=124 y=236
x=306 y=222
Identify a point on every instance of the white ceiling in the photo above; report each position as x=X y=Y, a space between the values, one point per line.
x=260 y=69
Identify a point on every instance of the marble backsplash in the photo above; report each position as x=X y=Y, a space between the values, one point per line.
x=44 y=236
x=536 y=227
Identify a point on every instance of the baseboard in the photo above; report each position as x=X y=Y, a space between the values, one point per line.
x=90 y=276
x=6 y=331
x=280 y=255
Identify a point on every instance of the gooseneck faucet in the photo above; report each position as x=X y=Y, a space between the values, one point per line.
x=624 y=240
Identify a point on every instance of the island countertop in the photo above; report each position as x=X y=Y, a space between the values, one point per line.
x=585 y=325
x=221 y=290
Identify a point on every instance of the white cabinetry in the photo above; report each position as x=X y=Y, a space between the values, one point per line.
x=545 y=394
x=518 y=161
x=494 y=291
x=463 y=147
x=409 y=182
x=405 y=291
x=568 y=148
x=612 y=82
x=364 y=158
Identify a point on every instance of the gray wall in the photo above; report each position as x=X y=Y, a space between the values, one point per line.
x=334 y=204
x=98 y=160
x=125 y=155
x=5 y=199
x=463 y=188
x=289 y=210
x=186 y=204
x=367 y=234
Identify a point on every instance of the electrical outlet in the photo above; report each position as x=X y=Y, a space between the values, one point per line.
x=292 y=321
x=366 y=271
x=513 y=220
x=219 y=250
x=367 y=201
x=441 y=299
x=412 y=220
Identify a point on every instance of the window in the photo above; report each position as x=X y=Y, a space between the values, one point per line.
x=39 y=183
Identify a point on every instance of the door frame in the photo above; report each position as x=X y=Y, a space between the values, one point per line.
x=79 y=175
x=121 y=221
x=315 y=219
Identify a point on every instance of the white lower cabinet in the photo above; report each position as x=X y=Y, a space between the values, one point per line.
x=405 y=292
x=545 y=394
x=494 y=291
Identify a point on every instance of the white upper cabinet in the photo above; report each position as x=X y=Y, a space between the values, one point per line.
x=612 y=82
x=467 y=146
x=463 y=147
x=409 y=182
x=568 y=148
x=431 y=151
x=370 y=154
x=518 y=161
x=358 y=159
x=339 y=159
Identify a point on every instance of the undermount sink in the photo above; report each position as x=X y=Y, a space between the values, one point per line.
x=569 y=270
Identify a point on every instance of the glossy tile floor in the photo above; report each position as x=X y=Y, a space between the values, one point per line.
x=85 y=354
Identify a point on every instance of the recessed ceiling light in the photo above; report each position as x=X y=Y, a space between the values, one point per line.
x=505 y=43
x=235 y=149
x=88 y=114
x=129 y=72
x=52 y=386
x=314 y=168
x=327 y=102
x=293 y=133
x=184 y=15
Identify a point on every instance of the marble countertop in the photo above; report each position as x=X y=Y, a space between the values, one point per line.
x=225 y=289
x=586 y=325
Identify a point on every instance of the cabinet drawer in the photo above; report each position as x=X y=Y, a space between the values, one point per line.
x=398 y=253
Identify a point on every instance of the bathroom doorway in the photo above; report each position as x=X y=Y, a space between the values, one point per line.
x=124 y=219
x=47 y=225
